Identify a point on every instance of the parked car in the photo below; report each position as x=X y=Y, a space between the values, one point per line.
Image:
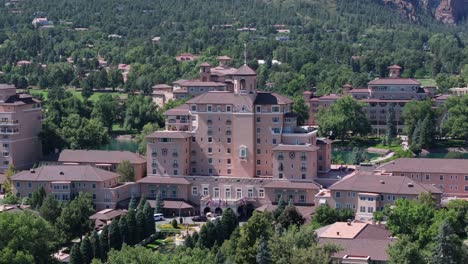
x=199 y=218
x=158 y=217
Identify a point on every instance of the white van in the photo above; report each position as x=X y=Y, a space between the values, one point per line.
x=158 y=217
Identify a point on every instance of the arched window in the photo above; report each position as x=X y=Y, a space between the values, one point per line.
x=242 y=85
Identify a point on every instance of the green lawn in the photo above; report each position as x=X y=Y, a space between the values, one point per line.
x=371 y=142
x=427 y=82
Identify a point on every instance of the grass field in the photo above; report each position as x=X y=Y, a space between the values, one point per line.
x=427 y=82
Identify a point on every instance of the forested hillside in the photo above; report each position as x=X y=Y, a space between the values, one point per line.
x=330 y=41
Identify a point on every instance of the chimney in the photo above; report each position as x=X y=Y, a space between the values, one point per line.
x=61 y=173
x=337 y=233
x=349 y=222
x=394 y=71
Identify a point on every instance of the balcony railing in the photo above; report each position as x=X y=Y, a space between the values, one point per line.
x=9 y=131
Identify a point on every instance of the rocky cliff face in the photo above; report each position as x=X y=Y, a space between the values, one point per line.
x=446 y=11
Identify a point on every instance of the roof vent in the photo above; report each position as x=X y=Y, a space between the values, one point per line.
x=337 y=233
x=410 y=184
x=32 y=171
x=382 y=182
x=61 y=173
x=349 y=222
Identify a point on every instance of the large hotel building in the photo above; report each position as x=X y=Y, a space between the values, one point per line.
x=20 y=125
x=233 y=146
x=380 y=95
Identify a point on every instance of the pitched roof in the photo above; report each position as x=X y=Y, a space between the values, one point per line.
x=372 y=183
x=65 y=173
x=169 y=134
x=100 y=156
x=357 y=239
x=168 y=204
x=178 y=110
x=222 y=97
x=394 y=66
x=198 y=83
x=164 y=180
x=162 y=86
x=394 y=81
x=6 y=86
x=245 y=70
x=359 y=90
x=375 y=249
x=107 y=214
x=205 y=64
x=267 y=98
x=224 y=57
x=286 y=184
x=308 y=147
x=422 y=165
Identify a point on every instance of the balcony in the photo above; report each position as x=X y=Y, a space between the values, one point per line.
x=303 y=169
x=175 y=166
x=303 y=158
x=228 y=133
x=9 y=123
x=209 y=122
x=175 y=154
x=8 y=131
x=228 y=122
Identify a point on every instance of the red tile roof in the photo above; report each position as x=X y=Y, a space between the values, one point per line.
x=267 y=98
x=245 y=70
x=224 y=58
x=394 y=81
x=394 y=66
x=198 y=83
x=162 y=86
x=179 y=110
x=286 y=184
x=359 y=90
x=100 y=156
x=168 y=204
x=164 y=180
x=107 y=214
x=169 y=134
x=421 y=165
x=372 y=183
x=205 y=64
x=223 y=97
x=65 y=173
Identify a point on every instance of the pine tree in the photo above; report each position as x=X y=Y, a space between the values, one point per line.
x=219 y=258
x=131 y=225
x=263 y=252
x=448 y=247
x=104 y=243
x=280 y=207
x=133 y=203
x=391 y=130
x=142 y=202
x=115 y=238
x=426 y=136
x=229 y=222
x=140 y=226
x=86 y=251
x=159 y=204
x=95 y=245
x=123 y=227
x=189 y=242
x=75 y=255
x=148 y=211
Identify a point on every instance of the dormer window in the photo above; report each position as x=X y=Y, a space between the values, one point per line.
x=194 y=108
x=242 y=85
x=209 y=108
x=275 y=109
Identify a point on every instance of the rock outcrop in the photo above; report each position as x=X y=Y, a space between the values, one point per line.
x=446 y=11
